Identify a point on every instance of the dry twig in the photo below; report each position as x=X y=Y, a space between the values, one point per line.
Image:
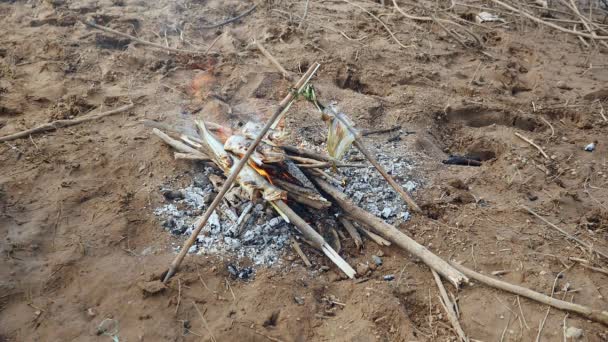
x=231 y=20
x=565 y=233
x=137 y=40
x=587 y=312
x=204 y=322
x=448 y=306
x=540 y=21
x=63 y=123
x=381 y=22
x=529 y=141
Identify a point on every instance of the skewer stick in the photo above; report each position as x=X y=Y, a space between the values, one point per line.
x=233 y=175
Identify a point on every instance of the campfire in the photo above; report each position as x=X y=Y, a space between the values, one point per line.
x=293 y=181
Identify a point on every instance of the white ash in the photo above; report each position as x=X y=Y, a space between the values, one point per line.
x=261 y=238
x=369 y=190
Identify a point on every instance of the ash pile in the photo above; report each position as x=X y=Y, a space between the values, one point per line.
x=241 y=230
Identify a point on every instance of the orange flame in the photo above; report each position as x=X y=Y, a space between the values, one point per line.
x=261 y=171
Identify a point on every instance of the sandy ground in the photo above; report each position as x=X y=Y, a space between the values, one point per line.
x=80 y=241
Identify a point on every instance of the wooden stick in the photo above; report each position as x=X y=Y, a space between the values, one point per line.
x=315 y=238
x=381 y=22
x=325 y=165
x=393 y=234
x=448 y=306
x=137 y=40
x=589 y=313
x=190 y=156
x=296 y=247
x=597 y=269
x=352 y=231
x=304 y=15
x=231 y=20
x=63 y=123
x=565 y=233
x=557 y=27
x=272 y=60
x=236 y=169
x=532 y=143
x=308 y=153
x=176 y=144
x=367 y=132
x=379 y=240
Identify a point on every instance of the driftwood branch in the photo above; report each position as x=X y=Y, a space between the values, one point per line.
x=63 y=123
x=587 y=312
x=393 y=234
x=137 y=40
x=237 y=168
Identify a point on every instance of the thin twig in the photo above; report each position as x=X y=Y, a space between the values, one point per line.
x=550 y=126
x=179 y=295
x=381 y=22
x=585 y=311
x=367 y=132
x=137 y=40
x=540 y=21
x=602 y=111
x=522 y=314
x=449 y=308
x=304 y=15
x=296 y=247
x=231 y=20
x=204 y=322
x=533 y=144
x=63 y=123
x=272 y=60
x=565 y=233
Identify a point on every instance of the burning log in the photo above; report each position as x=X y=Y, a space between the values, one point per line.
x=393 y=234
